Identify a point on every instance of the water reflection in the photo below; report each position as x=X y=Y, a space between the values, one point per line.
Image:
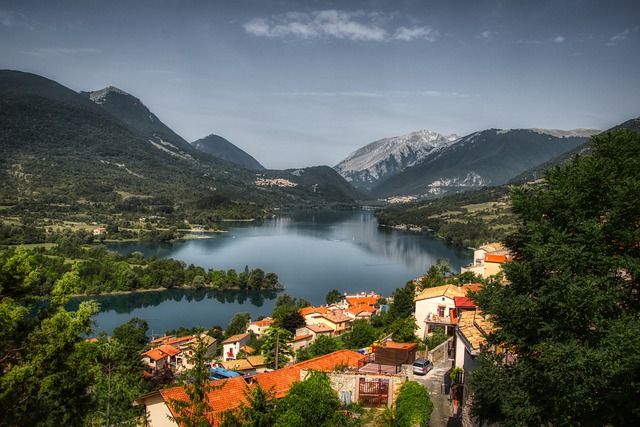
x=127 y=303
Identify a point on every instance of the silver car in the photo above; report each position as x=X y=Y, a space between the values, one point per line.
x=422 y=366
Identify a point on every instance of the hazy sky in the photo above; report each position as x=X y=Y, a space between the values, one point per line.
x=302 y=82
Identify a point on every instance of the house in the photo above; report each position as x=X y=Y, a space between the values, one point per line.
x=436 y=307
x=99 y=231
x=232 y=346
x=361 y=311
x=488 y=260
x=336 y=320
x=246 y=365
x=470 y=337
x=310 y=313
x=230 y=393
x=370 y=299
x=260 y=326
x=187 y=347
x=161 y=357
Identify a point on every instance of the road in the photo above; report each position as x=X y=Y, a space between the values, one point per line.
x=435 y=381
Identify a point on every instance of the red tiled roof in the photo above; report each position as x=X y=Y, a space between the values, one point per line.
x=281 y=380
x=311 y=310
x=337 y=317
x=463 y=302
x=161 y=352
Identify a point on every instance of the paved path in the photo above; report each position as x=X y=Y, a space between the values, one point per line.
x=436 y=381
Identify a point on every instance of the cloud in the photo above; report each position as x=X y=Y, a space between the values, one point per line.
x=10 y=19
x=61 y=51
x=558 y=39
x=335 y=24
x=487 y=35
x=621 y=36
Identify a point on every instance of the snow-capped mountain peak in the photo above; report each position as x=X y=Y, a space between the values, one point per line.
x=381 y=159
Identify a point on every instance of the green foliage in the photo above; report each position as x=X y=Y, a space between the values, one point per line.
x=435 y=275
x=403 y=304
x=450 y=219
x=437 y=338
x=362 y=334
x=404 y=329
x=311 y=402
x=570 y=310
x=195 y=411
x=413 y=406
x=258 y=411
x=333 y=296
x=275 y=349
x=238 y=324
x=286 y=313
x=321 y=346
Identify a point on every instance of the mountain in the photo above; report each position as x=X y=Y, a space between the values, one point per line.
x=132 y=112
x=374 y=163
x=218 y=146
x=63 y=154
x=486 y=158
x=537 y=172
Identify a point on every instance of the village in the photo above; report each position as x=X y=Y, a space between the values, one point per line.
x=370 y=376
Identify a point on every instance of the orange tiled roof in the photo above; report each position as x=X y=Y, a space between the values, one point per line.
x=281 y=380
x=235 y=338
x=263 y=323
x=161 y=352
x=226 y=395
x=301 y=337
x=247 y=349
x=472 y=287
x=257 y=360
x=311 y=310
x=337 y=317
x=359 y=300
x=174 y=341
x=399 y=345
x=495 y=258
x=319 y=328
x=474 y=327
x=449 y=291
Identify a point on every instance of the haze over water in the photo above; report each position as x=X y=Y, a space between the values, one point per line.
x=312 y=252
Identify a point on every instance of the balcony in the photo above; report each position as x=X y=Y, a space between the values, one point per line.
x=438 y=319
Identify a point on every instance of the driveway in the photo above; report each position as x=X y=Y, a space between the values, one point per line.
x=437 y=382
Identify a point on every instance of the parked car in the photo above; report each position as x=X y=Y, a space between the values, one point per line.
x=422 y=366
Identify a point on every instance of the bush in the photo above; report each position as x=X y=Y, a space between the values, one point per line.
x=413 y=405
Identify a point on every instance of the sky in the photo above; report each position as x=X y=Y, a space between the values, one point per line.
x=300 y=83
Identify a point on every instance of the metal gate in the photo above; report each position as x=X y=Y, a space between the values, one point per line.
x=373 y=393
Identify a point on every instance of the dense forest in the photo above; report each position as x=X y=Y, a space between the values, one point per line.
x=96 y=270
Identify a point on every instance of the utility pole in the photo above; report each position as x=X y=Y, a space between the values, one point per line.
x=277 y=346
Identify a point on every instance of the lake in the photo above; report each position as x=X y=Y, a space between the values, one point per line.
x=311 y=251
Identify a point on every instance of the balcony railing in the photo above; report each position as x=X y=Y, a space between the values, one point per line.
x=435 y=318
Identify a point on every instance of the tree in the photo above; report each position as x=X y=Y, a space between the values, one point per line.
x=311 y=402
x=237 y=324
x=362 y=334
x=403 y=302
x=195 y=411
x=413 y=406
x=45 y=380
x=258 y=411
x=275 y=349
x=404 y=329
x=435 y=275
x=321 y=346
x=570 y=310
x=333 y=296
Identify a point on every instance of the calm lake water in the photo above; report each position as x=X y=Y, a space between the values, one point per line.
x=312 y=252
